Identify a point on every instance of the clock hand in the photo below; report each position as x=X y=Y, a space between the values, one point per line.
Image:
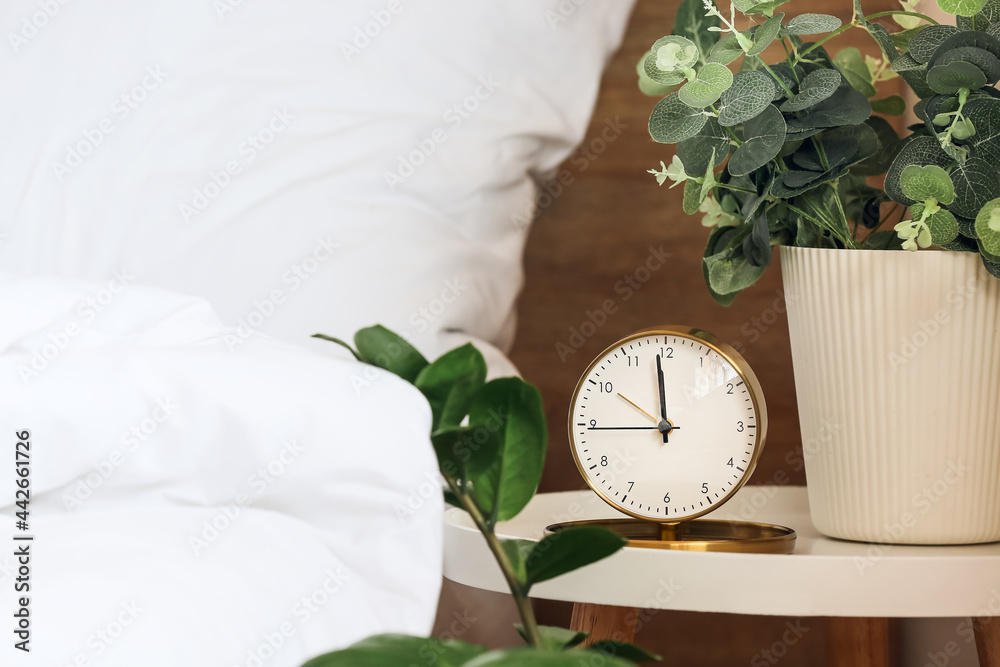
x=623 y=428
x=639 y=409
x=663 y=401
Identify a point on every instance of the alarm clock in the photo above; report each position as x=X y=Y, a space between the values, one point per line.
x=666 y=425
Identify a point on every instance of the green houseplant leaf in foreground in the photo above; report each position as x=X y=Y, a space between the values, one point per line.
x=490 y=440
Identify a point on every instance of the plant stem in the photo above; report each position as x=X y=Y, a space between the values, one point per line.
x=856 y=23
x=728 y=129
x=776 y=77
x=522 y=601
x=899 y=12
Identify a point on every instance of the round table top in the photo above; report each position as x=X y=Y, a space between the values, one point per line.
x=823 y=577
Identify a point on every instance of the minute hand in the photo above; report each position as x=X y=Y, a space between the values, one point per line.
x=663 y=398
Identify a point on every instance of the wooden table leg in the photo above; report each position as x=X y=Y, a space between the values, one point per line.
x=988 y=640
x=857 y=642
x=604 y=621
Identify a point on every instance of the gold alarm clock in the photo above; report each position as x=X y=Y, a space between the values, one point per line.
x=666 y=425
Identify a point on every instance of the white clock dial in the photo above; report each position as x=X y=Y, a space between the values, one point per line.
x=677 y=458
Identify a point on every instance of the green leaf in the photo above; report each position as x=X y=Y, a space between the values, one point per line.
x=510 y=411
x=692 y=197
x=817 y=86
x=623 y=650
x=878 y=33
x=988 y=63
x=852 y=65
x=917 y=150
x=783 y=73
x=923 y=46
x=450 y=382
x=765 y=7
x=764 y=34
x=674 y=53
x=396 y=650
x=732 y=275
x=647 y=85
x=554 y=638
x=757 y=244
x=657 y=75
x=989 y=236
x=727 y=272
x=846 y=106
x=950 y=78
x=707 y=87
x=720 y=241
x=455 y=448
x=984 y=20
x=795 y=183
x=749 y=95
x=893 y=105
x=530 y=657
x=690 y=21
x=726 y=50
x=697 y=151
x=569 y=549
x=901 y=40
x=763 y=137
x=906 y=63
x=962 y=7
x=975 y=38
x=673 y=121
x=451 y=498
x=976 y=183
x=812 y=24
x=338 y=342
x=921 y=183
x=984 y=114
x=380 y=347
x=943 y=225
x=517 y=551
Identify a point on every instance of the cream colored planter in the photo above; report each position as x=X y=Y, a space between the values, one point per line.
x=897 y=375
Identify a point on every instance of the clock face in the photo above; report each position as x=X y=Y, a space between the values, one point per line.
x=675 y=457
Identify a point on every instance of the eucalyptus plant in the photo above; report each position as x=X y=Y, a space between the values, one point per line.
x=797 y=140
x=490 y=439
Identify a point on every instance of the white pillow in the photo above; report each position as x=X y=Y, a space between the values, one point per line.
x=212 y=490
x=305 y=165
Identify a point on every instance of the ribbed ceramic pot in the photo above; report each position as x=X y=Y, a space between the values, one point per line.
x=897 y=373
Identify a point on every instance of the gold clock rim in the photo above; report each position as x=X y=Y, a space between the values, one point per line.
x=742 y=369
x=721 y=536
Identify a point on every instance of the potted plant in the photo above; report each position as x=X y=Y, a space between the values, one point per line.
x=897 y=367
x=491 y=470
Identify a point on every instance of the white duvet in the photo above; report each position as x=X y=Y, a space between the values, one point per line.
x=195 y=502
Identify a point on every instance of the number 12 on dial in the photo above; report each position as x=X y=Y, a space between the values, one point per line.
x=667 y=424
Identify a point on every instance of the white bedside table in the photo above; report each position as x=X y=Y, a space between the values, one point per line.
x=859 y=585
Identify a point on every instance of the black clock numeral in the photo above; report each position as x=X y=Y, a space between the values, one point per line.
x=739 y=427
x=666 y=497
x=730 y=386
x=730 y=464
x=605 y=387
x=630 y=485
x=593 y=423
x=704 y=487
x=633 y=360
x=667 y=352
x=604 y=460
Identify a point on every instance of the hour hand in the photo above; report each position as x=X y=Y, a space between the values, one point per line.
x=639 y=409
